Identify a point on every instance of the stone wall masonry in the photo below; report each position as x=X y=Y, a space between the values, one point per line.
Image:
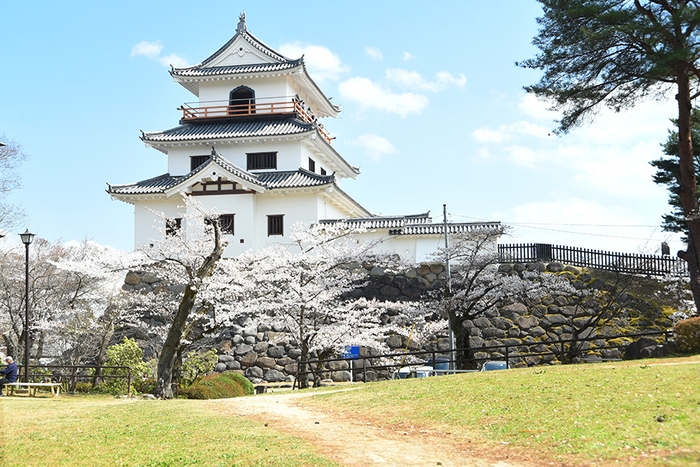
x=268 y=354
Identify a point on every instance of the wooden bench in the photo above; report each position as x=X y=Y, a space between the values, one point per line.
x=32 y=387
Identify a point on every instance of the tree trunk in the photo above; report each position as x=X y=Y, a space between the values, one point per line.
x=11 y=345
x=303 y=374
x=687 y=183
x=464 y=356
x=171 y=346
x=169 y=353
x=102 y=352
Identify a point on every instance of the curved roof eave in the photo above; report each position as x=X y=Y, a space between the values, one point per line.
x=347 y=202
x=325 y=107
x=322 y=146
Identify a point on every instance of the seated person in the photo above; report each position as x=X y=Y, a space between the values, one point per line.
x=9 y=374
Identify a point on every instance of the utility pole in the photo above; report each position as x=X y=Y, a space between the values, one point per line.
x=448 y=289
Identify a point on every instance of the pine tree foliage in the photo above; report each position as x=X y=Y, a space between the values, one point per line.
x=616 y=53
x=667 y=173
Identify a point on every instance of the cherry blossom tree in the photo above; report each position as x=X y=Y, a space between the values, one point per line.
x=11 y=156
x=71 y=286
x=188 y=256
x=476 y=286
x=304 y=286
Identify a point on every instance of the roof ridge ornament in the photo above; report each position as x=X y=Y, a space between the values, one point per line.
x=241 y=23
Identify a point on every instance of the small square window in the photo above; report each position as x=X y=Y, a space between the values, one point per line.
x=226 y=223
x=172 y=226
x=196 y=161
x=275 y=225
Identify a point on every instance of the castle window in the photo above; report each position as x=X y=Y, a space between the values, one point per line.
x=262 y=160
x=241 y=101
x=226 y=223
x=173 y=226
x=323 y=171
x=196 y=161
x=312 y=165
x=275 y=225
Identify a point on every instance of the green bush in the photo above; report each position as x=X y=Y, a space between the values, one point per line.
x=219 y=386
x=83 y=387
x=688 y=335
x=196 y=365
x=128 y=354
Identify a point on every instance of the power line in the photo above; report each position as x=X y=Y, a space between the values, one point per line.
x=532 y=225
x=560 y=223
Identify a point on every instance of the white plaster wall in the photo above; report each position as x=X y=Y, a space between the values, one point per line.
x=264 y=88
x=288 y=155
x=295 y=208
x=327 y=210
x=179 y=158
x=243 y=206
x=146 y=221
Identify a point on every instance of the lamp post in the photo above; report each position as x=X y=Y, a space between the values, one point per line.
x=26 y=239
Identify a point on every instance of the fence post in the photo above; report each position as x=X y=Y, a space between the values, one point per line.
x=507 y=363
x=128 y=382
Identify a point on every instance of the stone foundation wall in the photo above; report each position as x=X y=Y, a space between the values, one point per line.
x=264 y=353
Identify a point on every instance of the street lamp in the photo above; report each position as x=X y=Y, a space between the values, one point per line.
x=26 y=239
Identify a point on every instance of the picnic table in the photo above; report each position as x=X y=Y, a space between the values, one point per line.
x=32 y=387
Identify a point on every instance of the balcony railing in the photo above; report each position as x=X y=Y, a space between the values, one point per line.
x=251 y=107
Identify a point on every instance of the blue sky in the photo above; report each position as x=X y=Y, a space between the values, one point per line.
x=433 y=112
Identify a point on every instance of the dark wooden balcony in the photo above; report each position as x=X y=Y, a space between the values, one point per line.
x=251 y=108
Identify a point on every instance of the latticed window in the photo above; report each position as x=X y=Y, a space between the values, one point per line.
x=226 y=223
x=196 y=161
x=275 y=225
x=312 y=165
x=262 y=160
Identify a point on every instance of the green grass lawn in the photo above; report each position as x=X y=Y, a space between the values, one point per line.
x=104 y=431
x=630 y=413
x=642 y=412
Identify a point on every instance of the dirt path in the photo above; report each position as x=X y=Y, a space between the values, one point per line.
x=354 y=443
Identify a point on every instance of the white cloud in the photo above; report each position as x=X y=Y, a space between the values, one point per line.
x=376 y=146
x=152 y=51
x=407 y=56
x=487 y=135
x=374 y=96
x=532 y=107
x=174 y=60
x=374 y=52
x=609 y=156
x=506 y=133
x=414 y=80
x=147 y=49
x=322 y=63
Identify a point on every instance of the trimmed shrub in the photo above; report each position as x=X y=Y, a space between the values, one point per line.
x=195 y=365
x=219 y=386
x=688 y=335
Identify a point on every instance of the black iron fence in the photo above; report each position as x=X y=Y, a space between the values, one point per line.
x=435 y=362
x=630 y=263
